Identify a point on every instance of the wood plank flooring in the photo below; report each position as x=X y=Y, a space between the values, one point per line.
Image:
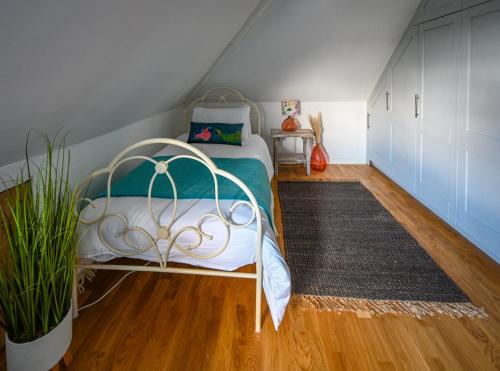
x=173 y=322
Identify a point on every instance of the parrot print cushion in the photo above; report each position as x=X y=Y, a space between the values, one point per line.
x=215 y=133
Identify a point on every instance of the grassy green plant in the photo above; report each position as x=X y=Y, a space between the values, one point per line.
x=36 y=277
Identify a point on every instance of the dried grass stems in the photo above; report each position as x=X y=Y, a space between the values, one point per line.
x=317 y=126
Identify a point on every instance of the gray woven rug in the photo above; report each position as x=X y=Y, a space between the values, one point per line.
x=346 y=252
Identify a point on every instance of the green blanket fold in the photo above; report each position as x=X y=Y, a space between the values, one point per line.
x=194 y=180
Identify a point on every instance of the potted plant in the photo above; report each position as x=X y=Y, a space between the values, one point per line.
x=37 y=272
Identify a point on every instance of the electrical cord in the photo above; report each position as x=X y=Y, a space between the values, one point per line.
x=109 y=291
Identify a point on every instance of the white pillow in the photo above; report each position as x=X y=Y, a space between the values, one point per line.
x=225 y=115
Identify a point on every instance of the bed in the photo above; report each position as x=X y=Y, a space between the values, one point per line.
x=206 y=205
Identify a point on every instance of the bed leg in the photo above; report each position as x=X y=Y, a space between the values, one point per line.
x=74 y=296
x=258 y=301
x=258 y=278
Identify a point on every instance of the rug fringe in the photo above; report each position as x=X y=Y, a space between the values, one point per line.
x=417 y=309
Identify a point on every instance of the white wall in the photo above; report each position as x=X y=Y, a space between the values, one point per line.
x=96 y=153
x=344 y=136
x=97 y=66
x=344 y=123
x=315 y=50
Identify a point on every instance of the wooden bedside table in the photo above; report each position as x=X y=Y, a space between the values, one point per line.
x=304 y=158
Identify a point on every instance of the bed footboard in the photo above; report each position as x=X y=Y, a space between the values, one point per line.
x=164 y=232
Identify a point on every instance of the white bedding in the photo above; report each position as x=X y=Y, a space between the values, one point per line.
x=241 y=248
x=252 y=147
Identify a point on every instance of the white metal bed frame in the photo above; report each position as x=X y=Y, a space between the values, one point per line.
x=219 y=96
x=223 y=96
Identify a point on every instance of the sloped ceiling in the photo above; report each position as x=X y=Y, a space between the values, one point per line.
x=316 y=50
x=93 y=66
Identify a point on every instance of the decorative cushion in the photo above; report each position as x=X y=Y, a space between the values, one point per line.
x=215 y=133
x=224 y=115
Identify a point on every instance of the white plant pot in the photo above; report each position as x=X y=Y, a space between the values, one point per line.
x=43 y=353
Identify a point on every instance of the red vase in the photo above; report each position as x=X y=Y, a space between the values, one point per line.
x=318 y=158
x=290 y=124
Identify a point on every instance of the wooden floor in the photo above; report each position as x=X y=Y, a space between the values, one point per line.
x=172 y=322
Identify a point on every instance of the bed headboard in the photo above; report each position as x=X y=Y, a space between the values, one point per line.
x=224 y=95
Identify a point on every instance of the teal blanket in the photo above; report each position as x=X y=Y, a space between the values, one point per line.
x=194 y=180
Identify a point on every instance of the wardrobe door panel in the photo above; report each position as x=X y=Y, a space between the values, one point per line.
x=481 y=198
x=435 y=173
x=439 y=42
x=440 y=69
x=379 y=131
x=484 y=65
x=402 y=155
x=483 y=181
x=404 y=77
x=403 y=116
x=479 y=202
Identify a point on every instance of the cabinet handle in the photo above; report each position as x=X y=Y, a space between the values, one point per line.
x=368 y=121
x=416 y=106
x=387 y=94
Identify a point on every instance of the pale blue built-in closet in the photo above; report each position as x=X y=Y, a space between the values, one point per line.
x=434 y=116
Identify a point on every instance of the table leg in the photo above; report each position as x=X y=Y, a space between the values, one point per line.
x=308 y=157
x=275 y=153
x=304 y=151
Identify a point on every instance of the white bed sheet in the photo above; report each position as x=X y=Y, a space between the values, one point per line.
x=240 y=250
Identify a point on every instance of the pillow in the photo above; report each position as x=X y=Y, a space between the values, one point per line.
x=224 y=115
x=215 y=133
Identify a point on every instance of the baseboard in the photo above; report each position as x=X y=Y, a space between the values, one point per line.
x=347 y=161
